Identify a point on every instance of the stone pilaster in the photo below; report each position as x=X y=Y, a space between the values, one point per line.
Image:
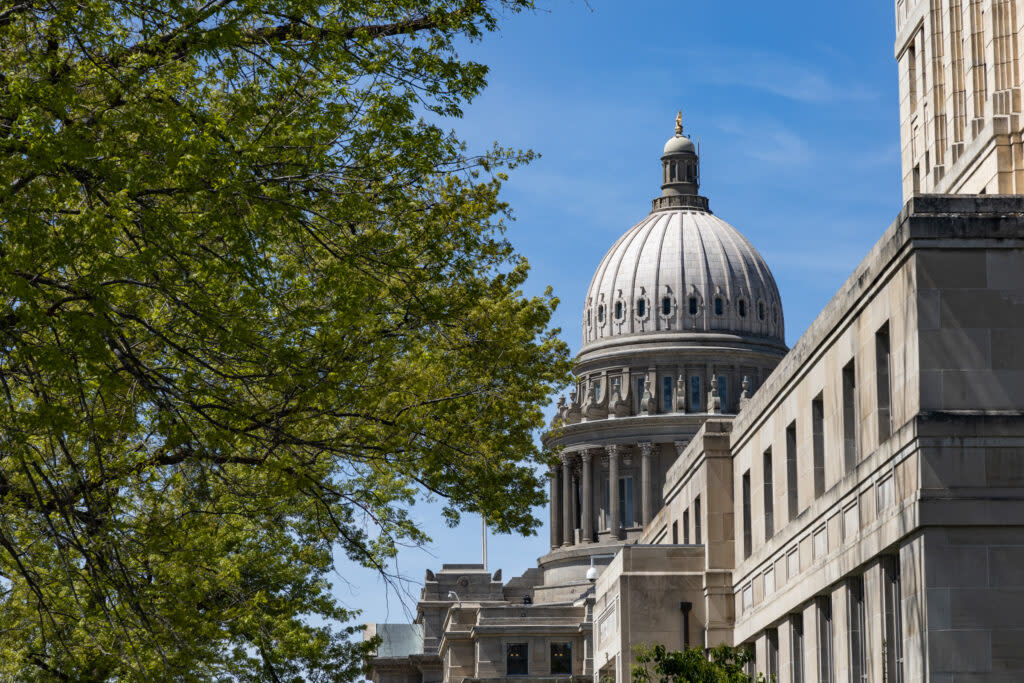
x=587 y=521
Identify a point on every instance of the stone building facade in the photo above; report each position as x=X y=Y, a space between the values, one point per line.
x=960 y=96
x=851 y=509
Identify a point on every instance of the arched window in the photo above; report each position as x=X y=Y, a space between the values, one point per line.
x=641 y=307
x=760 y=310
x=666 y=306
x=600 y=313
x=743 y=308
x=693 y=305
x=618 y=310
x=718 y=305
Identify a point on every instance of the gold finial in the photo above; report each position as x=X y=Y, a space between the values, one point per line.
x=679 y=122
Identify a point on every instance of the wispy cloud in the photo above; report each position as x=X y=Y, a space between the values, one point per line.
x=767 y=140
x=775 y=74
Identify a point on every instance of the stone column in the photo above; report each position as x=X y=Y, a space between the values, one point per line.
x=646 y=497
x=574 y=500
x=615 y=523
x=567 y=521
x=588 y=498
x=556 y=509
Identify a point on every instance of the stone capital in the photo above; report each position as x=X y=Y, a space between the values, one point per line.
x=646 y=448
x=586 y=455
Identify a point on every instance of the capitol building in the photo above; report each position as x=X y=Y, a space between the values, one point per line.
x=850 y=509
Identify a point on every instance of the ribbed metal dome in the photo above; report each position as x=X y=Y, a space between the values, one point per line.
x=684 y=271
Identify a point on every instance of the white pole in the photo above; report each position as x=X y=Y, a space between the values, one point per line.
x=483 y=539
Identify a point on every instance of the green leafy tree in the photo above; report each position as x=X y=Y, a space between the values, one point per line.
x=723 y=664
x=255 y=301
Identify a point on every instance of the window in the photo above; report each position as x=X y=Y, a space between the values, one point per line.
x=517 y=659
x=819 y=544
x=791 y=476
x=818 y=443
x=588 y=317
x=747 y=598
x=696 y=520
x=882 y=363
x=723 y=392
x=858 y=655
x=747 y=540
x=718 y=305
x=893 y=620
x=666 y=394
x=600 y=313
x=743 y=308
x=760 y=310
x=695 y=394
x=675 y=533
x=693 y=305
x=641 y=308
x=825 y=665
x=886 y=495
x=769 y=582
x=595 y=387
x=849 y=417
x=626 y=501
x=666 y=306
x=618 y=310
x=793 y=563
x=686 y=526
x=561 y=658
x=772 y=665
x=769 y=496
x=851 y=522
x=797 y=647
x=640 y=381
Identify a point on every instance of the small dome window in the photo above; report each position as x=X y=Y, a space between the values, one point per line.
x=641 y=307
x=693 y=305
x=760 y=310
x=600 y=313
x=718 y=305
x=666 y=306
x=618 y=310
x=588 y=317
x=775 y=314
x=743 y=308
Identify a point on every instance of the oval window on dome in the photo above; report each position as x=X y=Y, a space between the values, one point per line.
x=600 y=313
x=760 y=310
x=693 y=305
x=641 y=307
x=618 y=310
x=666 y=306
x=718 y=305
x=743 y=308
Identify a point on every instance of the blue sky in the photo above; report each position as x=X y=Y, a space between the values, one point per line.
x=795 y=105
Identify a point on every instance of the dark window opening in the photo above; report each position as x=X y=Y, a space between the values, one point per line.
x=760 y=310
x=517 y=659
x=561 y=658
x=696 y=520
x=718 y=306
x=849 y=417
x=769 y=496
x=825 y=665
x=791 y=472
x=675 y=533
x=883 y=362
x=600 y=313
x=666 y=394
x=641 y=307
x=818 y=443
x=666 y=306
x=855 y=614
x=723 y=392
x=693 y=305
x=618 y=310
x=893 y=620
x=686 y=526
x=695 y=394
x=743 y=308
x=797 y=647
x=747 y=535
x=772 y=638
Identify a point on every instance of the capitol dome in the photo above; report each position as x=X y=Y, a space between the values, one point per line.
x=682 y=270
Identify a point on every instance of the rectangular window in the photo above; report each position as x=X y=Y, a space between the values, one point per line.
x=793 y=564
x=797 y=647
x=849 y=417
x=696 y=520
x=791 y=475
x=911 y=59
x=561 y=658
x=686 y=526
x=855 y=613
x=825 y=665
x=769 y=496
x=747 y=535
x=639 y=396
x=851 y=522
x=675 y=533
x=820 y=543
x=695 y=397
x=666 y=394
x=769 y=582
x=626 y=501
x=818 y=443
x=886 y=495
x=893 y=620
x=723 y=392
x=748 y=598
x=772 y=665
x=517 y=659
x=883 y=360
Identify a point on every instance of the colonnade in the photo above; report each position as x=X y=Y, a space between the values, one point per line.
x=572 y=492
